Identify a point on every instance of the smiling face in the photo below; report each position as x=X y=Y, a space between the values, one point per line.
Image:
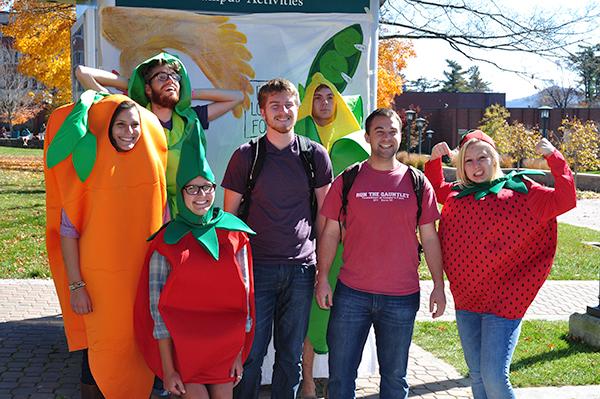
x=384 y=136
x=126 y=131
x=280 y=112
x=201 y=202
x=479 y=162
x=323 y=106
x=163 y=93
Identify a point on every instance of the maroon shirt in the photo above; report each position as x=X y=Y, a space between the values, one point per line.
x=279 y=211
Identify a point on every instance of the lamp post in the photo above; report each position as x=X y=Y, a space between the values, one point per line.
x=544 y=116
x=420 y=122
x=429 y=135
x=410 y=117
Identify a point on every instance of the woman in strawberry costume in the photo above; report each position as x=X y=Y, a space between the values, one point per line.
x=498 y=236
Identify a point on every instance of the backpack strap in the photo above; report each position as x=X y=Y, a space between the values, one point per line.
x=418 y=181
x=308 y=161
x=258 y=149
x=348 y=177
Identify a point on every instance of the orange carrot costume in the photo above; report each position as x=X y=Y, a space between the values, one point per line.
x=115 y=201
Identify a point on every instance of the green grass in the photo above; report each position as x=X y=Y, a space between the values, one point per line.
x=575 y=260
x=25 y=152
x=545 y=355
x=22 y=225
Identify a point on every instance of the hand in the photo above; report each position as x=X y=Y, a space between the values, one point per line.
x=80 y=301
x=173 y=384
x=544 y=147
x=439 y=150
x=437 y=301
x=324 y=294
x=237 y=369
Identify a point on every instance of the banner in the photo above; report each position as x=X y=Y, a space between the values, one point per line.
x=241 y=52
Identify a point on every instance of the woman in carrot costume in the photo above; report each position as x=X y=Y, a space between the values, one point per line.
x=105 y=167
x=195 y=307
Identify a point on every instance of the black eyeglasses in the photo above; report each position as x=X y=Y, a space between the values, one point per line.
x=164 y=76
x=193 y=189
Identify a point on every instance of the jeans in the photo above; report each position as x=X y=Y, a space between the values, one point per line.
x=283 y=296
x=352 y=314
x=488 y=343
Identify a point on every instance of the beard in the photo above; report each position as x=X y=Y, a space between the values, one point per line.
x=166 y=99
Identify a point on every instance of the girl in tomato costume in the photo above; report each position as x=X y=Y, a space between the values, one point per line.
x=194 y=313
x=498 y=236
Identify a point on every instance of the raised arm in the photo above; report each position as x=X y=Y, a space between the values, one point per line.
x=223 y=101
x=435 y=173
x=551 y=202
x=98 y=79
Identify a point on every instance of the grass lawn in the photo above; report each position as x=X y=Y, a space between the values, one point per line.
x=545 y=356
x=21 y=152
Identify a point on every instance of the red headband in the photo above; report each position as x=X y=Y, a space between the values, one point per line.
x=479 y=135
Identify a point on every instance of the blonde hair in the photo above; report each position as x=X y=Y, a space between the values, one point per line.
x=461 y=176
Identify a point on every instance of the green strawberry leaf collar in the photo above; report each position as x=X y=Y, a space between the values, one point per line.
x=74 y=138
x=512 y=181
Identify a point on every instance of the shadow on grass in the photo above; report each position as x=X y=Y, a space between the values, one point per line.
x=34 y=191
x=574 y=347
x=23 y=207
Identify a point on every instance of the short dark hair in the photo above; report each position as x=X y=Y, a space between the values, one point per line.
x=277 y=85
x=387 y=112
x=174 y=65
x=127 y=104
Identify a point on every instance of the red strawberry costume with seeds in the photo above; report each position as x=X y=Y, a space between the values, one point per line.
x=498 y=251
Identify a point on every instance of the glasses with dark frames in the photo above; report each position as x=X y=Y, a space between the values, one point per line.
x=193 y=189
x=164 y=76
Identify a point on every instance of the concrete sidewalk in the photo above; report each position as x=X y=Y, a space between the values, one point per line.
x=34 y=362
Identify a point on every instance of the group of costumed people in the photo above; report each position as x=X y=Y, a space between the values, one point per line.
x=139 y=299
x=153 y=280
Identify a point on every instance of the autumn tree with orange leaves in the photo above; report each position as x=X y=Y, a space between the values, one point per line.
x=41 y=33
x=391 y=59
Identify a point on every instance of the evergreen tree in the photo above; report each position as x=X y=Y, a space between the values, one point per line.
x=455 y=81
x=587 y=65
x=476 y=83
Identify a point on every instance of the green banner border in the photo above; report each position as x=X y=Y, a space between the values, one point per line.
x=254 y=6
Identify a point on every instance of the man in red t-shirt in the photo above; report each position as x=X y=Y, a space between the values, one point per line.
x=378 y=283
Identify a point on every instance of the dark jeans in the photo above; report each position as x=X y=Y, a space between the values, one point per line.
x=352 y=314
x=283 y=295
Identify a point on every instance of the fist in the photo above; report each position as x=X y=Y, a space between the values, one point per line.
x=439 y=150
x=544 y=147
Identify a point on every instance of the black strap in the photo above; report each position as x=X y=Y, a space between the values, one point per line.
x=348 y=177
x=258 y=151
x=418 y=182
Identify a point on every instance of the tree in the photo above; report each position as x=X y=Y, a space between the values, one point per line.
x=455 y=79
x=558 y=97
x=41 y=32
x=494 y=119
x=391 y=59
x=476 y=84
x=468 y=25
x=423 y=84
x=580 y=144
x=18 y=98
x=586 y=63
x=517 y=142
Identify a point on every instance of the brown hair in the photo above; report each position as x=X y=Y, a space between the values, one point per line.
x=277 y=85
x=387 y=112
x=158 y=62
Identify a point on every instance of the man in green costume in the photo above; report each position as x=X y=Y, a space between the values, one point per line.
x=162 y=85
x=327 y=117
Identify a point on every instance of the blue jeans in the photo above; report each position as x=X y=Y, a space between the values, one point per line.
x=283 y=296
x=352 y=314
x=488 y=343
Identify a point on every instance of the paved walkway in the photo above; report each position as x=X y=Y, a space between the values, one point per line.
x=34 y=362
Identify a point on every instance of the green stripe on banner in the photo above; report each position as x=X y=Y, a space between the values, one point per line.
x=254 y=6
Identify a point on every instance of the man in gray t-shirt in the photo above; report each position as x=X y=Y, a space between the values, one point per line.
x=283 y=248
